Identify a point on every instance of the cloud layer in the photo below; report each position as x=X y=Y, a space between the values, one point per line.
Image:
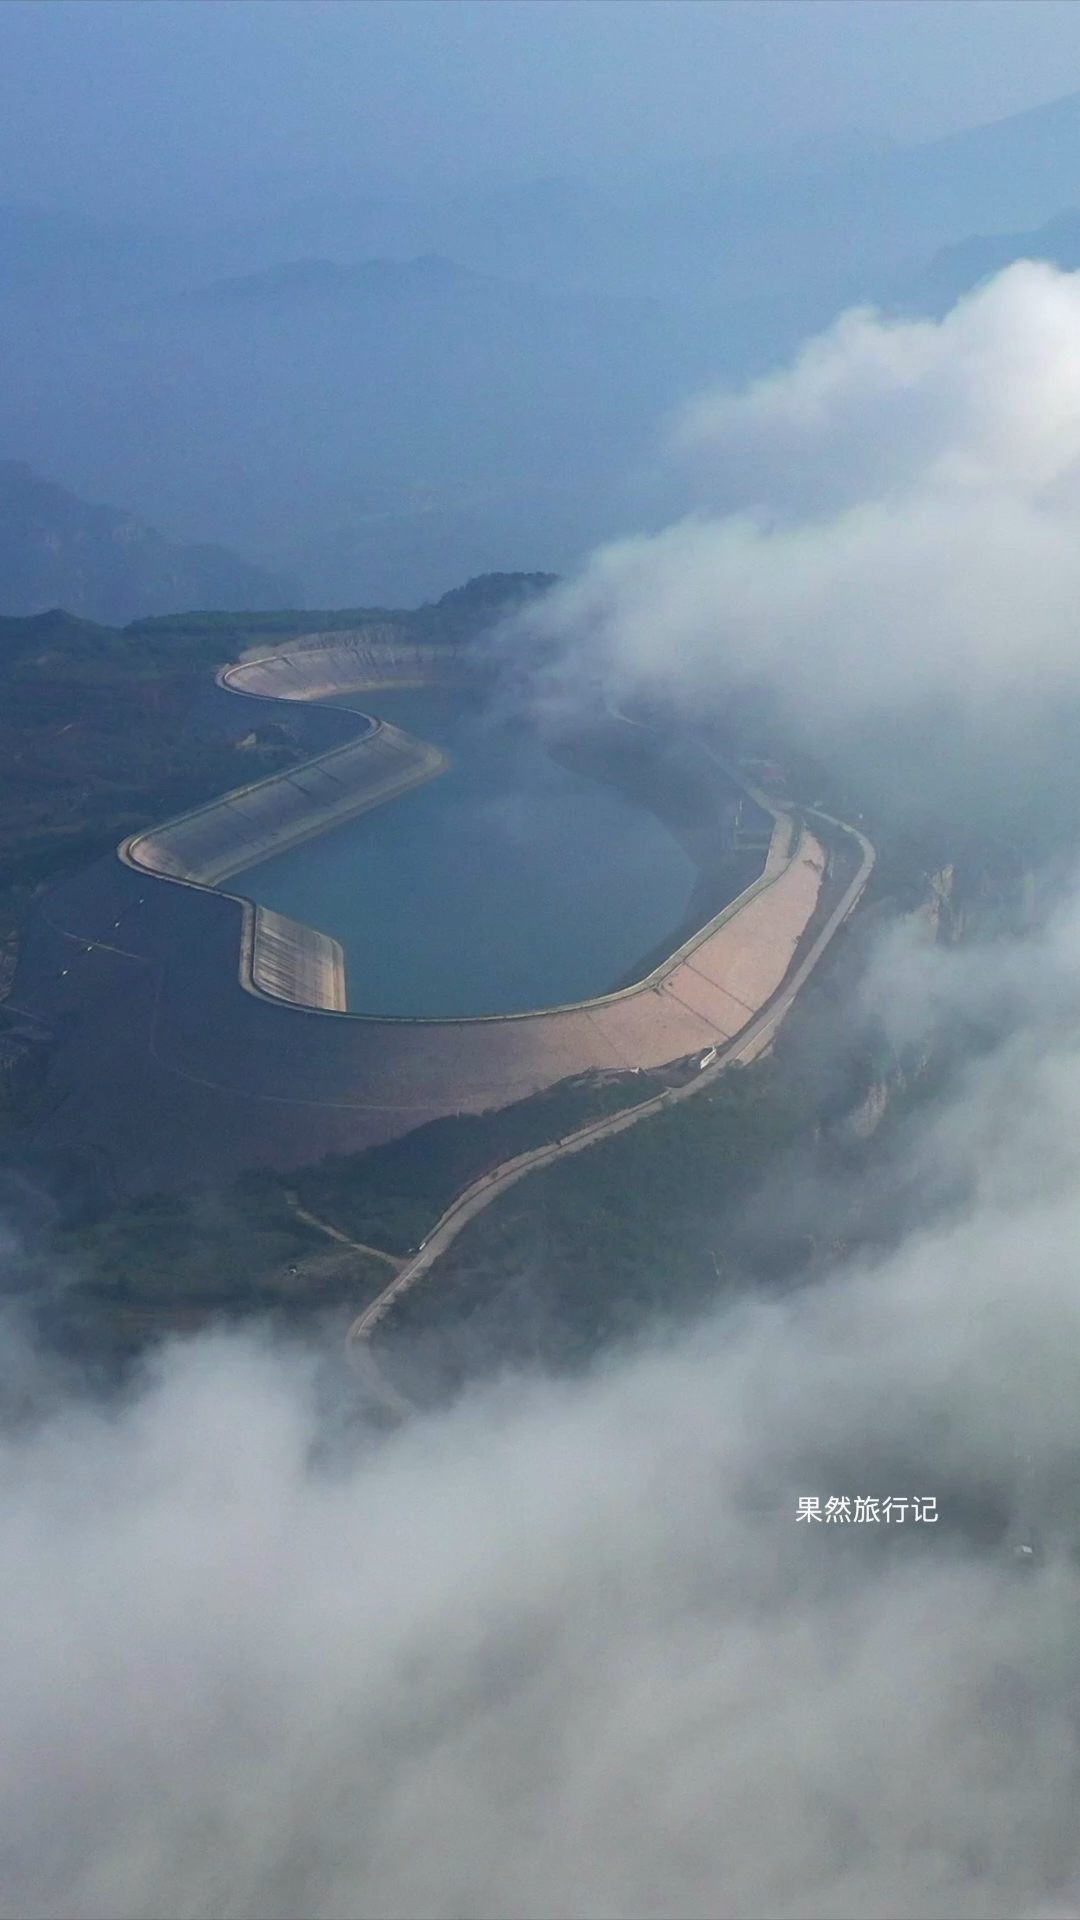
x=889 y=522
x=565 y=1649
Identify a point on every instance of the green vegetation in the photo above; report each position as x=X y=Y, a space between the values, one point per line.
x=392 y=1195
x=213 y=637
x=650 y=1224
x=170 y=1263
x=639 y=1225
x=458 y=616
x=96 y=741
x=466 y=611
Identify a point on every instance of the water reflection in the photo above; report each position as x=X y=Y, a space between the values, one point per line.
x=508 y=883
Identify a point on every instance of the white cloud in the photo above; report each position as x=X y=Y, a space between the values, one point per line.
x=564 y=1649
x=900 y=524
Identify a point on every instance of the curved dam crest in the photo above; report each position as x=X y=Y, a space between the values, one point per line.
x=520 y=885
x=513 y=881
x=208 y=845
x=195 y=1035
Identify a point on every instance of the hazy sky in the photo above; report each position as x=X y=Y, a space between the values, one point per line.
x=107 y=104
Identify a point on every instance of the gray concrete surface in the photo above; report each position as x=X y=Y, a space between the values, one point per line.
x=214 y=842
x=290 y=961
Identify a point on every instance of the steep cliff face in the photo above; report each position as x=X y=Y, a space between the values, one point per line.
x=961 y=902
x=868 y=1115
x=936 y=913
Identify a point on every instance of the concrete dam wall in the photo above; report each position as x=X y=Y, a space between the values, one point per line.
x=281 y=957
x=212 y=842
x=356 y=662
x=285 y=960
x=195 y=1035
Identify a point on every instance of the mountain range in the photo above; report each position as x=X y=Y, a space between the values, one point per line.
x=380 y=393
x=105 y=565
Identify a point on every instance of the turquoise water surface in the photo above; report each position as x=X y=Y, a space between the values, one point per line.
x=507 y=883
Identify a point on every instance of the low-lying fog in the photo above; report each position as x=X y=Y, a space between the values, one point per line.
x=565 y=1648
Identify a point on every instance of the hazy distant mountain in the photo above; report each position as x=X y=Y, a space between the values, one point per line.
x=838 y=223
x=1014 y=172
x=105 y=565
x=51 y=255
x=429 y=275
x=425 y=544
x=385 y=391
x=353 y=403
x=827 y=212
x=734 y=228
x=955 y=270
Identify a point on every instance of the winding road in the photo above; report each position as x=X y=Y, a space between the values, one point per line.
x=482 y=1192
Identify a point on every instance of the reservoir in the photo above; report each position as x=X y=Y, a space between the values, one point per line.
x=508 y=883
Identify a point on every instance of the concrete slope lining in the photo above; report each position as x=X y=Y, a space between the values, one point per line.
x=281 y=958
x=195 y=1037
x=209 y=844
x=481 y=1193
x=290 y=961
x=226 y=836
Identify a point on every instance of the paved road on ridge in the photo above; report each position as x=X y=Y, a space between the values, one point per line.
x=491 y=1185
